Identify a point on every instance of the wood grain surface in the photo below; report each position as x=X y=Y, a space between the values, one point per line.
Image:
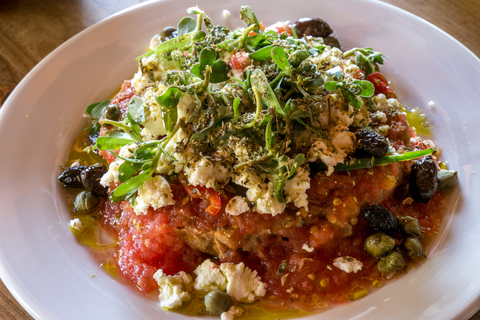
x=30 y=29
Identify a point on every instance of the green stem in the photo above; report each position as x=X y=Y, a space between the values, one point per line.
x=373 y=162
x=258 y=101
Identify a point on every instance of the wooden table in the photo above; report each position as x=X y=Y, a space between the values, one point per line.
x=29 y=30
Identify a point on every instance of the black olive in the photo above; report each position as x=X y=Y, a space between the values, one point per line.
x=332 y=42
x=380 y=219
x=112 y=112
x=423 y=179
x=168 y=33
x=91 y=180
x=70 y=178
x=371 y=142
x=314 y=27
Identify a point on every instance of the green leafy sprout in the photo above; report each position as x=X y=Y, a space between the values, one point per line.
x=280 y=94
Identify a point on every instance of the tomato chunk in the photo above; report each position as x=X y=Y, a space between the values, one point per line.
x=209 y=194
x=380 y=84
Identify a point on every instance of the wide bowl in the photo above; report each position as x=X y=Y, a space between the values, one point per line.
x=54 y=277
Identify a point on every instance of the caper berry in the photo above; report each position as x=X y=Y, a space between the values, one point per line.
x=393 y=262
x=217 y=302
x=112 y=112
x=380 y=219
x=447 y=179
x=371 y=142
x=410 y=225
x=70 y=177
x=91 y=179
x=85 y=201
x=379 y=244
x=423 y=179
x=414 y=247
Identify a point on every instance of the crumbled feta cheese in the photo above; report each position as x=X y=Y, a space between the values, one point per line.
x=207 y=173
x=259 y=192
x=209 y=277
x=185 y=106
x=394 y=104
x=334 y=150
x=240 y=282
x=174 y=290
x=379 y=116
x=76 y=225
x=111 y=176
x=381 y=102
x=167 y=165
x=296 y=189
x=237 y=205
x=243 y=284
x=155 y=193
x=307 y=248
x=231 y=313
x=348 y=264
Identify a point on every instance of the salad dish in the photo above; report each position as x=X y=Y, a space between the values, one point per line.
x=257 y=169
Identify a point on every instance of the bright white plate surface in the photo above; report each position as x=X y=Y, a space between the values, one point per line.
x=51 y=274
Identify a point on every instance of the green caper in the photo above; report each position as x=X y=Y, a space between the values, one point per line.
x=112 y=112
x=447 y=179
x=410 y=225
x=217 y=302
x=414 y=247
x=379 y=244
x=85 y=201
x=393 y=262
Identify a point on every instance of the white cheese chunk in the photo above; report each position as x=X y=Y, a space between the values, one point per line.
x=76 y=225
x=307 y=248
x=209 y=277
x=174 y=290
x=348 y=264
x=243 y=284
x=155 y=193
x=231 y=313
x=207 y=173
x=296 y=189
x=236 y=206
x=239 y=281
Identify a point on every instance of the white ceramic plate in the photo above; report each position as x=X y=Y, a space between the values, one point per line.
x=54 y=277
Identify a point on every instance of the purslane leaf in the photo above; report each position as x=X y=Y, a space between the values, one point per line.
x=112 y=143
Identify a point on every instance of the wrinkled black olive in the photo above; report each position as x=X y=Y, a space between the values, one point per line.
x=312 y=27
x=371 y=142
x=70 y=178
x=168 y=33
x=91 y=180
x=380 y=219
x=423 y=179
x=112 y=112
x=332 y=42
